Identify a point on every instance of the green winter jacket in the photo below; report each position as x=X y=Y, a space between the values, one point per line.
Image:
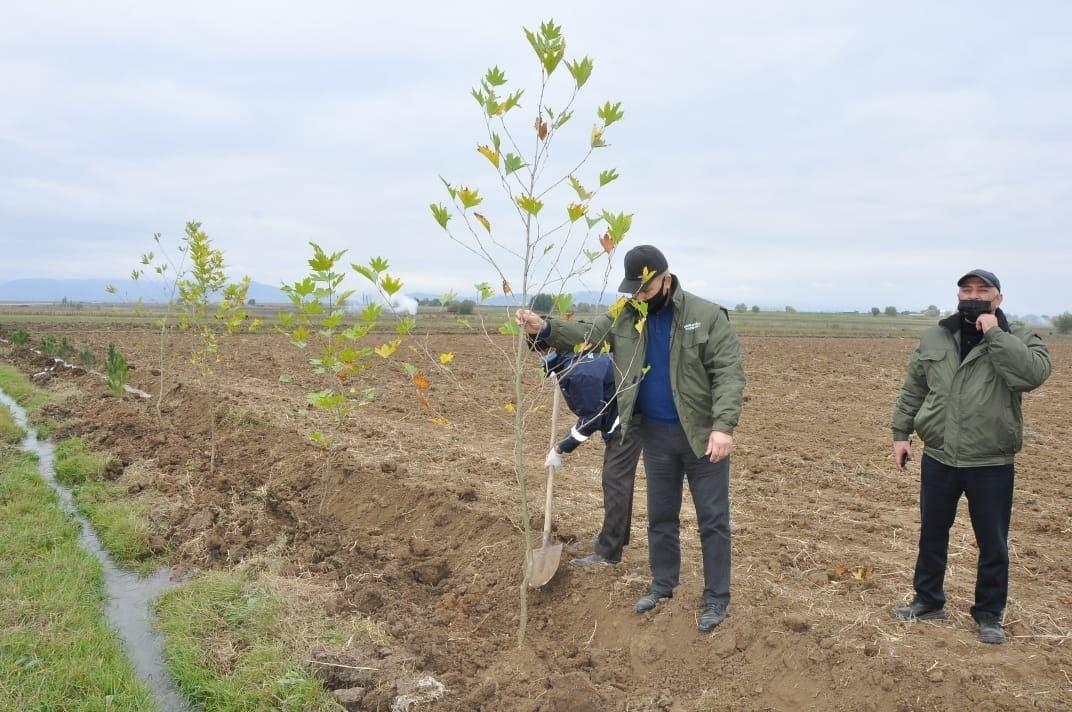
x=968 y=413
x=705 y=363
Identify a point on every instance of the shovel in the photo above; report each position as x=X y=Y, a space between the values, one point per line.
x=543 y=562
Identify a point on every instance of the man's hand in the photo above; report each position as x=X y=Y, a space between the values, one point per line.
x=986 y=322
x=902 y=453
x=529 y=320
x=719 y=445
x=553 y=459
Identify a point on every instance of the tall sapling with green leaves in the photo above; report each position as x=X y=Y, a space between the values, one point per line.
x=545 y=249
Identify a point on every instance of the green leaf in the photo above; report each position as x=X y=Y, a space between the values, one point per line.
x=485 y=290
x=379 y=264
x=370 y=313
x=391 y=285
x=607 y=176
x=365 y=272
x=610 y=113
x=576 y=211
x=581 y=70
x=511 y=101
x=479 y=96
x=618 y=225
x=495 y=77
x=594 y=255
x=513 y=163
x=285 y=378
x=469 y=198
x=581 y=192
x=448 y=297
x=439 y=212
x=496 y=142
x=561 y=120
x=564 y=303
x=406 y=326
x=411 y=370
x=529 y=204
x=509 y=328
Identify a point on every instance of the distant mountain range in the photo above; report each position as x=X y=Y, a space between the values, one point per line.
x=94 y=290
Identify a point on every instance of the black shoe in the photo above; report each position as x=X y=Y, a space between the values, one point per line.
x=648 y=601
x=591 y=560
x=990 y=631
x=916 y=611
x=713 y=614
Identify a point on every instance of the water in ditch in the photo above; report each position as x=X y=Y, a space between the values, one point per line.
x=130 y=597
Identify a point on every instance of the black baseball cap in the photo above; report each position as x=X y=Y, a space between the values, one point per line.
x=985 y=275
x=637 y=260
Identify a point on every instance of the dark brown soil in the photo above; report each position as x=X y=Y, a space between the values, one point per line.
x=420 y=531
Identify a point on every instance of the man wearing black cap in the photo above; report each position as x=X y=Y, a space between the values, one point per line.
x=678 y=367
x=961 y=395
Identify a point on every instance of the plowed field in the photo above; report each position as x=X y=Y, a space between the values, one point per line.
x=419 y=530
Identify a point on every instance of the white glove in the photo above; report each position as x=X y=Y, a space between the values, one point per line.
x=554 y=459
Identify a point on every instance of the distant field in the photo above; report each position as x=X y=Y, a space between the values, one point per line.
x=436 y=320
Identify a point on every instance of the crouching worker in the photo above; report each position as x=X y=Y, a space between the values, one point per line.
x=587 y=384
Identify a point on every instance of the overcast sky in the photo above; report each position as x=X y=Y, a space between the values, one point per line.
x=819 y=154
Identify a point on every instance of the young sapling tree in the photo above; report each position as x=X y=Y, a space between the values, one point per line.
x=544 y=249
x=317 y=322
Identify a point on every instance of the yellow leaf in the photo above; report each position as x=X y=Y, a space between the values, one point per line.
x=446 y=358
x=639 y=326
x=387 y=349
x=508 y=407
x=489 y=154
x=616 y=308
x=483 y=221
x=438 y=420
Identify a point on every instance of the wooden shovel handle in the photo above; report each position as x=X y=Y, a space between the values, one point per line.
x=551 y=470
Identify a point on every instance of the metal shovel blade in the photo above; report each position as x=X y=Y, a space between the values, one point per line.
x=543 y=563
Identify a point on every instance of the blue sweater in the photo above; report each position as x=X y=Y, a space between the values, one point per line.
x=655 y=398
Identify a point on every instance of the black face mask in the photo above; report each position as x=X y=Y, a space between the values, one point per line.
x=972 y=309
x=656 y=303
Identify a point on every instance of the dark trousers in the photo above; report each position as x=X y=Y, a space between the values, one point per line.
x=619 y=474
x=989 y=492
x=668 y=459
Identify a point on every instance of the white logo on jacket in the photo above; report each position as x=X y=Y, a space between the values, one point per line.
x=693 y=325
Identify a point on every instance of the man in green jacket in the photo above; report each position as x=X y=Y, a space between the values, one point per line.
x=678 y=367
x=961 y=395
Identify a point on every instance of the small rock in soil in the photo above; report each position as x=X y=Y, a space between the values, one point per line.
x=350 y=698
x=797 y=622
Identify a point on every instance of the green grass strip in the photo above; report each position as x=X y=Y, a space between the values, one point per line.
x=21 y=389
x=121 y=524
x=228 y=647
x=56 y=649
x=10 y=432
